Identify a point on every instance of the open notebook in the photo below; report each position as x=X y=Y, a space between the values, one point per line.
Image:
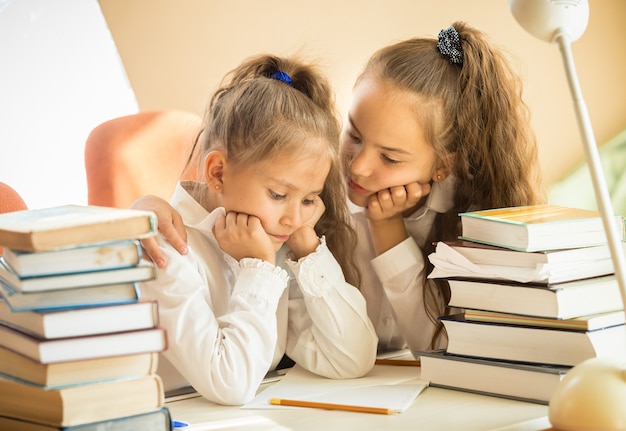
x=384 y=387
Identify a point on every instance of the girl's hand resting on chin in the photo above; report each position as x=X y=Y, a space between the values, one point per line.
x=304 y=241
x=393 y=202
x=241 y=235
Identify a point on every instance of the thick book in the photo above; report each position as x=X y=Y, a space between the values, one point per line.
x=91 y=257
x=48 y=351
x=82 y=321
x=91 y=296
x=532 y=344
x=27 y=370
x=560 y=301
x=73 y=225
x=143 y=271
x=537 y=227
x=505 y=379
x=452 y=262
x=82 y=404
x=156 y=420
x=583 y=323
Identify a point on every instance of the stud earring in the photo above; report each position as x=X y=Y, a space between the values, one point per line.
x=217 y=186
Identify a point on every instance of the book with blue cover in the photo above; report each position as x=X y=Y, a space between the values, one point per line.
x=143 y=271
x=61 y=299
x=156 y=420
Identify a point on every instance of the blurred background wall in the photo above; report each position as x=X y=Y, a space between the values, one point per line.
x=174 y=52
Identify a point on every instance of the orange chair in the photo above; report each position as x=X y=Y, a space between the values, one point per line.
x=135 y=155
x=10 y=201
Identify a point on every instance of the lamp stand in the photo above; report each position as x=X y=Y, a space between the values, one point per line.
x=592 y=395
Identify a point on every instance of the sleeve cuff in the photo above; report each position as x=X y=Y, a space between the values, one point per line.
x=398 y=260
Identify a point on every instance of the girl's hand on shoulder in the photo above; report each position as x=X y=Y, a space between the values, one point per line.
x=304 y=241
x=170 y=225
x=392 y=202
x=242 y=235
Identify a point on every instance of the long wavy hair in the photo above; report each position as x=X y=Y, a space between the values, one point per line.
x=475 y=113
x=253 y=116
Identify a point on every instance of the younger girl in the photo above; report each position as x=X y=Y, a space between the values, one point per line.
x=258 y=281
x=437 y=126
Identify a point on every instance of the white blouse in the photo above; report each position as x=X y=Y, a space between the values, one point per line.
x=230 y=322
x=392 y=282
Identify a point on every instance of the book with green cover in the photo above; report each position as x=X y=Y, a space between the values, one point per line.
x=537 y=227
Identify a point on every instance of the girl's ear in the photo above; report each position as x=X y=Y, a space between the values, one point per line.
x=444 y=168
x=214 y=170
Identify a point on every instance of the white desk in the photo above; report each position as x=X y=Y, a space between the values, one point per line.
x=433 y=410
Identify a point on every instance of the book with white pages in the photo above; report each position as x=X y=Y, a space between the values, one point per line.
x=79 y=321
x=450 y=263
x=143 y=271
x=78 y=297
x=385 y=387
x=84 y=258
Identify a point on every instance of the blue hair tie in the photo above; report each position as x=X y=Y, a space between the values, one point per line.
x=282 y=76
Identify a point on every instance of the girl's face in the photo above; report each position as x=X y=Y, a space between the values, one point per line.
x=383 y=143
x=280 y=192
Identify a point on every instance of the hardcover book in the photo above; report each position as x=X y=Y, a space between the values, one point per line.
x=536 y=227
x=73 y=225
x=532 y=344
x=145 y=270
x=108 y=294
x=559 y=301
x=91 y=257
x=156 y=420
x=505 y=379
x=48 y=351
x=82 y=321
x=18 y=367
x=82 y=404
x=582 y=323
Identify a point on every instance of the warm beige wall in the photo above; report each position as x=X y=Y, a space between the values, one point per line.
x=175 y=52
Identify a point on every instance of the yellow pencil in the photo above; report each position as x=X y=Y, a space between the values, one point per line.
x=329 y=406
x=404 y=362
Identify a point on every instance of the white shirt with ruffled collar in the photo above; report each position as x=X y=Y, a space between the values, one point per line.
x=392 y=283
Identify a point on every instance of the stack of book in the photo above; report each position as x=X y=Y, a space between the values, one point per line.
x=537 y=295
x=78 y=347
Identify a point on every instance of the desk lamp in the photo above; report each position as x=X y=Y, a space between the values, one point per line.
x=592 y=395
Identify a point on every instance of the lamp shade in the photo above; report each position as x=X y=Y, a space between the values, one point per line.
x=544 y=19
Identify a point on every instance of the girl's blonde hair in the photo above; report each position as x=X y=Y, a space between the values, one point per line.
x=270 y=106
x=474 y=117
